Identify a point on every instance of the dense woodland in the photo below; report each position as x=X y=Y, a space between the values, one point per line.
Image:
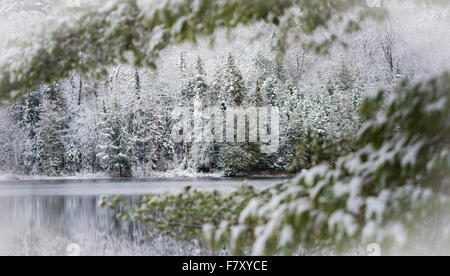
x=76 y=125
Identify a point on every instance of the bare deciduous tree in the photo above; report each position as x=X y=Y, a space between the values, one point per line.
x=388 y=44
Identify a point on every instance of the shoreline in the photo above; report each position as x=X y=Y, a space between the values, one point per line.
x=155 y=175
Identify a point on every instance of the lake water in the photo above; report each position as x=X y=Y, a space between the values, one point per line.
x=51 y=217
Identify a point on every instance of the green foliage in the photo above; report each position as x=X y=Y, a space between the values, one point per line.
x=316 y=149
x=183 y=215
x=239 y=159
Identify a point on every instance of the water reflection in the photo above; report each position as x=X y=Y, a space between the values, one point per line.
x=43 y=218
x=44 y=225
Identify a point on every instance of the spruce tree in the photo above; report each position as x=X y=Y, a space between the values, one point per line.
x=234 y=158
x=51 y=132
x=234 y=87
x=218 y=87
x=345 y=94
x=188 y=88
x=201 y=149
x=28 y=118
x=115 y=148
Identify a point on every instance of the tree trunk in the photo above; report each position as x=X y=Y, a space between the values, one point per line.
x=80 y=91
x=186 y=156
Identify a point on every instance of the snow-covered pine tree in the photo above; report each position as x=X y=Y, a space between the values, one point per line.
x=345 y=94
x=26 y=114
x=217 y=87
x=234 y=86
x=200 y=86
x=51 y=131
x=234 y=158
x=270 y=82
x=115 y=146
x=287 y=101
x=187 y=84
x=201 y=150
x=272 y=88
x=186 y=100
x=162 y=124
x=269 y=91
x=156 y=131
x=12 y=138
x=86 y=126
x=141 y=138
x=167 y=156
x=75 y=137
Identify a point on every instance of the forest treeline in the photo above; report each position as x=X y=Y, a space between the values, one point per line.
x=79 y=126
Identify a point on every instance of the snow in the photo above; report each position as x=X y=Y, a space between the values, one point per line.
x=412 y=154
x=143 y=186
x=341 y=219
x=310 y=99
x=249 y=211
x=375 y=206
x=236 y=232
x=102 y=175
x=437 y=106
x=369 y=231
x=286 y=236
x=263 y=234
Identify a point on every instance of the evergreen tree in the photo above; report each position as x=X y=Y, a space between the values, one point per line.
x=188 y=88
x=51 y=132
x=233 y=158
x=267 y=81
x=270 y=91
x=28 y=118
x=168 y=147
x=156 y=134
x=141 y=138
x=234 y=87
x=217 y=88
x=201 y=151
x=344 y=98
x=115 y=148
x=200 y=86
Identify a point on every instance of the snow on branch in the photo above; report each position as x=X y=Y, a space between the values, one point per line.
x=97 y=36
